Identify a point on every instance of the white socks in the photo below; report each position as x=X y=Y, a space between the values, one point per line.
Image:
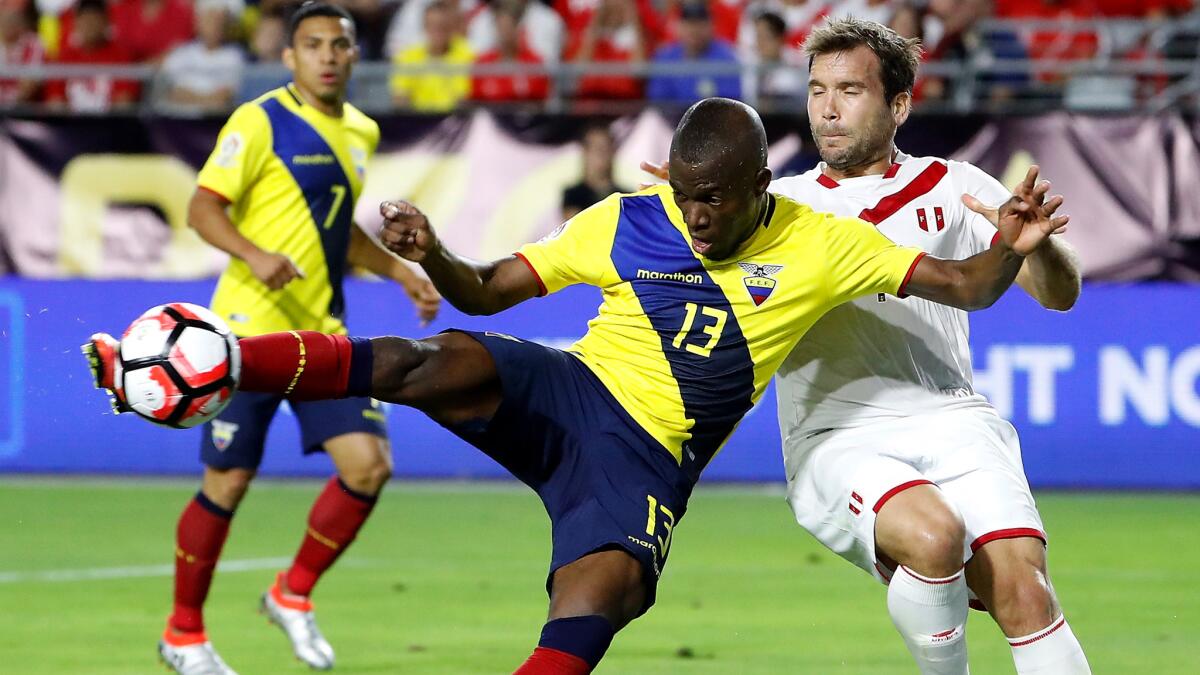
x=931 y=615
x=1050 y=651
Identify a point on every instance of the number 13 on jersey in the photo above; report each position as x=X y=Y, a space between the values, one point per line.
x=712 y=330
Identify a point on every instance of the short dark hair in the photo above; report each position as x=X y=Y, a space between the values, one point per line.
x=92 y=6
x=723 y=130
x=313 y=8
x=898 y=56
x=774 y=23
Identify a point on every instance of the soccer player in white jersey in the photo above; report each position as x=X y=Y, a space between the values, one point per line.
x=893 y=461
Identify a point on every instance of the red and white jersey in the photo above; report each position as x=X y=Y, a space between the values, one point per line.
x=883 y=357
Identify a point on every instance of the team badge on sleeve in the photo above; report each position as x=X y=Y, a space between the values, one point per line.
x=759 y=283
x=229 y=149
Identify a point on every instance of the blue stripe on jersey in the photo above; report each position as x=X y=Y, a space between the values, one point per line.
x=317 y=172
x=715 y=377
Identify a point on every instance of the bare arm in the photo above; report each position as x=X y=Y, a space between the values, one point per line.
x=365 y=252
x=1051 y=276
x=473 y=287
x=974 y=283
x=207 y=216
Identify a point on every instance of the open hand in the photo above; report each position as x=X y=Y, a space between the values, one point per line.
x=1027 y=219
x=406 y=231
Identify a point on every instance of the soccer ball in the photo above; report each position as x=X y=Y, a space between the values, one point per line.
x=178 y=365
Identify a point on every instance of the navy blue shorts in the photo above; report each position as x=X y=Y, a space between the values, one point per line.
x=605 y=482
x=236 y=437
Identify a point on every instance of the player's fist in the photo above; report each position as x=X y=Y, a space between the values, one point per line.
x=425 y=298
x=275 y=270
x=406 y=231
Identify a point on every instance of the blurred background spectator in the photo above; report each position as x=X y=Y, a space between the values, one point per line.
x=616 y=32
x=510 y=50
x=89 y=44
x=698 y=48
x=597 y=183
x=19 y=46
x=542 y=29
x=204 y=74
x=266 y=70
x=779 y=76
x=150 y=28
x=443 y=50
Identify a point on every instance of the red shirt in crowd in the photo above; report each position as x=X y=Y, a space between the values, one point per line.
x=94 y=93
x=510 y=87
x=146 y=36
x=609 y=86
x=577 y=14
x=26 y=51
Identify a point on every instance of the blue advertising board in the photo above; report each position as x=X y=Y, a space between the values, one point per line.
x=1104 y=396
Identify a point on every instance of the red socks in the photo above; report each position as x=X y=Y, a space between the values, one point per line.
x=306 y=365
x=546 y=661
x=199 y=537
x=333 y=523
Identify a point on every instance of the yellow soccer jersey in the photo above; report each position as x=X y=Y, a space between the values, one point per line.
x=687 y=345
x=292 y=175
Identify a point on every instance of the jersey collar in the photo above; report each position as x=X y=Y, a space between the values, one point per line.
x=826 y=181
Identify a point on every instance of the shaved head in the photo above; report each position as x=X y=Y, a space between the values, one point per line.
x=726 y=133
x=719 y=175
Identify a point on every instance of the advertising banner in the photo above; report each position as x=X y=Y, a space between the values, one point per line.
x=1104 y=396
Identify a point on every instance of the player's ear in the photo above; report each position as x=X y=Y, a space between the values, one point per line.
x=901 y=107
x=289 y=58
x=762 y=180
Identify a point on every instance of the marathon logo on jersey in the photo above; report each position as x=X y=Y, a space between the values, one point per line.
x=222 y=434
x=759 y=283
x=939 y=220
x=313 y=160
x=682 y=277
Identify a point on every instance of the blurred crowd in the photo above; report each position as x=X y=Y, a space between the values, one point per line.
x=447 y=53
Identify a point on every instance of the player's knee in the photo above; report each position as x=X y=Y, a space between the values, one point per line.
x=369 y=478
x=1024 y=601
x=227 y=487
x=937 y=536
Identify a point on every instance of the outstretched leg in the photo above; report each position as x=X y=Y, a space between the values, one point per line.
x=450 y=377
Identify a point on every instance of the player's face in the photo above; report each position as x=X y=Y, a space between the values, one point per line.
x=321 y=57
x=720 y=204
x=852 y=122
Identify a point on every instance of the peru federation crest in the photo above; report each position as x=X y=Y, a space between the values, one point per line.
x=759 y=283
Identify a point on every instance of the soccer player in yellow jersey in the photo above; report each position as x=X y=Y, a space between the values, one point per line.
x=708 y=284
x=278 y=195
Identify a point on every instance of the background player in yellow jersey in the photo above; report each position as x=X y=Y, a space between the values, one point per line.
x=278 y=195
x=708 y=284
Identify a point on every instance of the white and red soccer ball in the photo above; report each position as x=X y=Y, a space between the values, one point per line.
x=178 y=365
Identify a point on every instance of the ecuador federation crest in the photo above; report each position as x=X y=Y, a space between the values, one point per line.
x=759 y=283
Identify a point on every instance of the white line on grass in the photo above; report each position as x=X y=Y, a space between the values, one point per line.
x=135 y=571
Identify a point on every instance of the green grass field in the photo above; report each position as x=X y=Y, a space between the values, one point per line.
x=449 y=579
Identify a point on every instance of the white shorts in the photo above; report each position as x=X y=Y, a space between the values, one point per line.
x=839 y=479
